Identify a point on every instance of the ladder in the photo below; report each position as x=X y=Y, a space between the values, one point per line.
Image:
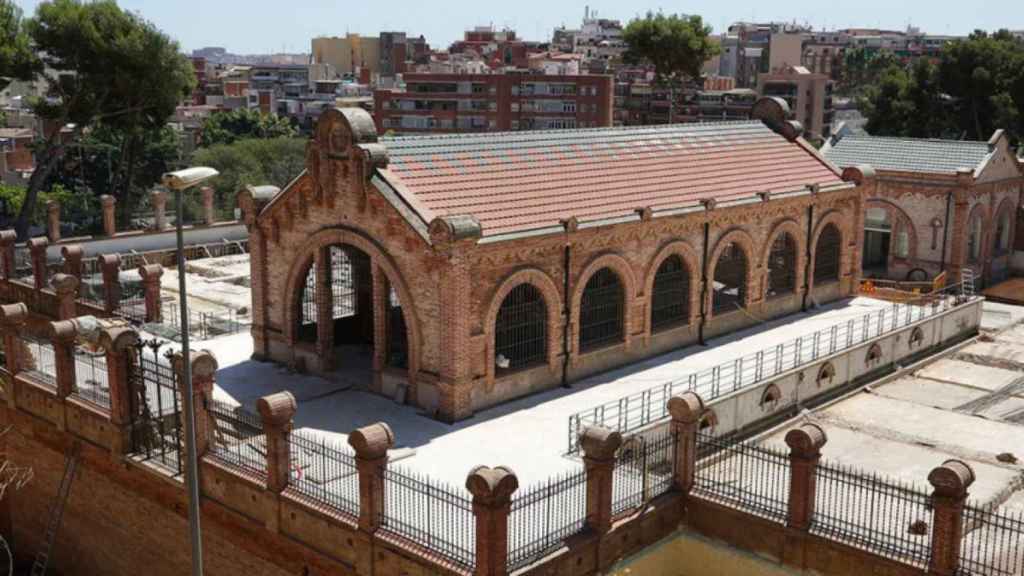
x=967 y=281
x=57 y=510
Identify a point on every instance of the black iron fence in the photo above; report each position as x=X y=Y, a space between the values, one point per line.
x=39 y=361
x=544 y=515
x=993 y=543
x=91 y=380
x=644 y=469
x=743 y=476
x=637 y=410
x=325 y=472
x=433 y=515
x=238 y=437
x=155 y=407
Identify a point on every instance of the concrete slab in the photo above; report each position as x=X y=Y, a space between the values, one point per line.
x=997 y=353
x=968 y=374
x=927 y=392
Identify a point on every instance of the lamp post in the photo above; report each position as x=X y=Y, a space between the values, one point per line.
x=180 y=181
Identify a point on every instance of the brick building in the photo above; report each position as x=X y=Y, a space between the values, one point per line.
x=925 y=184
x=463 y=271
x=809 y=96
x=494 y=102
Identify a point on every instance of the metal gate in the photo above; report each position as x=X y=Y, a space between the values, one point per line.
x=156 y=411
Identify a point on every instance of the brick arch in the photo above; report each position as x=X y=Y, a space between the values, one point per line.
x=552 y=302
x=981 y=209
x=746 y=243
x=873 y=355
x=621 y=267
x=770 y=398
x=791 y=227
x=834 y=217
x=900 y=221
x=826 y=372
x=692 y=262
x=379 y=258
x=1005 y=207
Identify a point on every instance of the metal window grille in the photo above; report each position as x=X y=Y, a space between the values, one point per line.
x=325 y=472
x=730 y=280
x=993 y=543
x=91 y=287
x=521 y=329
x=670 y=298
x=881 y=515
x=91 y=382
x=433 y=515
x=743 y=476
x=155 y=408
x=826 y=256
x=40 y=362
x=238 y=438
x=782 y=265
x=347 y=267
x=601 y=310
x=544 y=515
x=397 y=338
x=308 y=314
x=644 y=470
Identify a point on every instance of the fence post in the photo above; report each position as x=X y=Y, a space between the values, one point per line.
x=53 y=220
x=62 y=337
x=12 y=320
x=686 y=410
x=951 y=481
x=7 y=240
x=277 y=411
x=66 y=288
x=805 y=444
x=492 y=490
x=204 y=366
x=37 y=251
x=158 y=199
x=111 y=267
x=209 y=217
x=150 y=274
x=119 y=343
x=73 y=254
x=599 y=446
x=371 y=444
x=108 y=204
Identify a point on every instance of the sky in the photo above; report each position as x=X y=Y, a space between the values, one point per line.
x=265 y=26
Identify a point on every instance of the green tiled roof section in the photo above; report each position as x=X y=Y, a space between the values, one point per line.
x=908 y=154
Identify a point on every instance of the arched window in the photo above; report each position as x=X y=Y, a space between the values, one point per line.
x=826 y=256
x=782 y=265
x=1002 y=235
x=601 y=310
x=670 y=297
x=521 y=329
x=730 y=280
x=307 y=308
x=974 y=238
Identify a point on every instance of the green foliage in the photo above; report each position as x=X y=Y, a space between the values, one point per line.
x=677 y=46
x=252 y=162
x=17 y=59
x=75 y=206
x=243 y=123
x=863 y=67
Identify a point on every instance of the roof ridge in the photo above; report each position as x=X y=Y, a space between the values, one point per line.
x=566 y=131
x=911 y=139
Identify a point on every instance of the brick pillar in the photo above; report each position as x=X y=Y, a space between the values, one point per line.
x=62 y=336
x=455 y=403
x=957 y=252
x=110 y=265
x=686 y=410
x=120 y=344
x=12 y=322
x=371 y=444
x=277 y=411
x=951 y=481
x=209 y=216
x=66 y=287
x=257 y=271
x=492 y=490
x=380 y=321
x=805 y=444
x=73 y=255
x=151 y=274
x=7 y=240
x=158 y=199
x=599 y=446
x=204 y=368
x=37 y=251
x=53 y=220
x=109 y=206
x=324 y=309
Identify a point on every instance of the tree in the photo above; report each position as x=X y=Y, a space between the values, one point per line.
x=276 y=161
x=17 y=60
x=242 y=123
x=677 y=46
x=907 y=103
x=104 y=67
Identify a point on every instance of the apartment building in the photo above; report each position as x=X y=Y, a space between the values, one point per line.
x=494 y=102
x=809 y=96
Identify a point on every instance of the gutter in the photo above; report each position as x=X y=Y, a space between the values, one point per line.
x=807 y=256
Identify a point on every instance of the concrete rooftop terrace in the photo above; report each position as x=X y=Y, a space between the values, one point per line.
x=528 y=434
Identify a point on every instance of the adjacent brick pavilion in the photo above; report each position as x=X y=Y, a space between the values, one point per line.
x=938 y=204
x=457 y=272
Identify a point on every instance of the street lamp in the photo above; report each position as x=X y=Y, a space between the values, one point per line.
x=180 y=181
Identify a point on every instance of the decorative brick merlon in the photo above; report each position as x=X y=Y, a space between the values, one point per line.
x=108 y=204
x=66 y=287
x=600 y=444
x=492 y=486
x=13 y=316
x=806 y=441
x=53 y=220
x=447 y=230
x=158 y=199
x=686 y=408
x=204 y=364
x=599 y=448
x=492 y=490
x=62 y=336
x=118 y=339
x=150 y=274
x=372 y=442
x=277 y=410
x=37 y=251
x=73 y=254
x=952 y=479
x=860 y=175
x=964 y=176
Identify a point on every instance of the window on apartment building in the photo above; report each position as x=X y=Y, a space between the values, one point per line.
x=782 y=265
x=521 y=329
x=601 y=310
x=568 y=106
x=826 y=255
x=670 y=297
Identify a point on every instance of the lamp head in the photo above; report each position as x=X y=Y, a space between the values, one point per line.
x=189 y=177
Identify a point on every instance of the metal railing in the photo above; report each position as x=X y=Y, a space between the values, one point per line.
x=238 y=437
x=644 y=470
x=40 y=361
x=436 y=516
x=91 y=380
x=325 y=472
x=993 y=543
x=542 y=516
x=743 y=476
x=632 y=412
x=201 y=325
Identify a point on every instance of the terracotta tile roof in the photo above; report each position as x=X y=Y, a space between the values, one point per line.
x=520 y=181
x=907 y=154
